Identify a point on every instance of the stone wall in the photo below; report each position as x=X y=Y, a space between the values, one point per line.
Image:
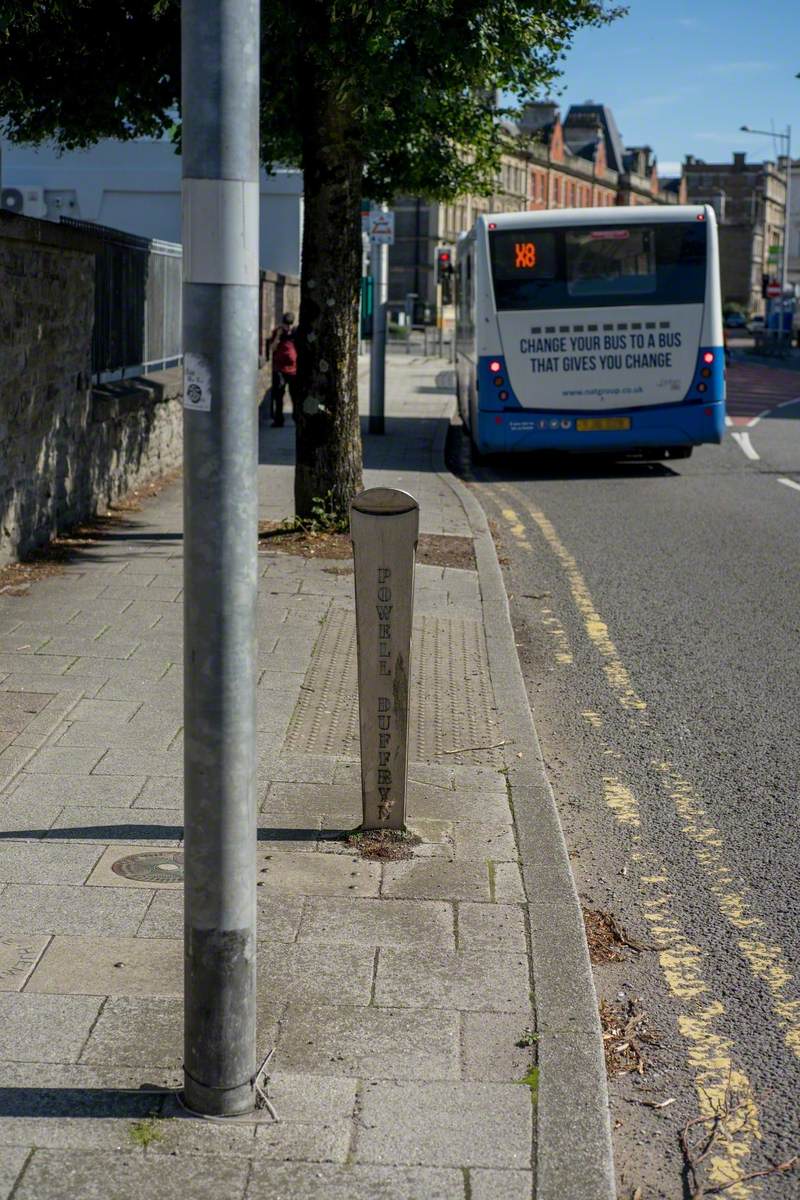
x=66 y=450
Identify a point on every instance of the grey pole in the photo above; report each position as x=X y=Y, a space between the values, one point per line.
x=220 y=43
x=377 y=362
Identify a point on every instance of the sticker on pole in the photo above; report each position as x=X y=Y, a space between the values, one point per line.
x=196 y=383
x=381 y=228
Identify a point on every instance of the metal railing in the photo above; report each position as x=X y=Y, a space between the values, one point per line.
x=137 y=303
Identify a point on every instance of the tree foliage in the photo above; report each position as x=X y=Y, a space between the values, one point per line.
x=368 y=98
x=415 y=79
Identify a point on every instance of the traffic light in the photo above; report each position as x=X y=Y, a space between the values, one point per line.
x=444 y=272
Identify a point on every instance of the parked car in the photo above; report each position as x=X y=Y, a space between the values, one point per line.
x=736 y=320
x=756 y=324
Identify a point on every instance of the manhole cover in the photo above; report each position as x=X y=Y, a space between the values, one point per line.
x=151 y=867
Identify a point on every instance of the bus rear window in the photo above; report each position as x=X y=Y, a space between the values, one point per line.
x=599 y=267
x=611 y=262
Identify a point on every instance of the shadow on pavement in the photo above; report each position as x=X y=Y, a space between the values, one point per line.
x=157 y=833
x=82 y=1102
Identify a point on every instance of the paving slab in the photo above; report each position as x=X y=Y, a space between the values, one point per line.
x=369 y=1042
x=378 y=923
x=94 y=733
x=310 y=974
x=313 y=1181
x=312 y=798
x=38 y=862
x=296 y=768
x=53 y=909
x=287 y=1141
x=106 y=712
x=12 y=1162
x=45 y=1029
x=491 y=1045
x=130 y=762
x=25 y=818
x=36 y=665
x=278 y=917
x=161 y=791
x=129 y=1175
x=313 y=1099
x=470 y=980
x=66 y=761
x=109 y=966
x=18 y=955
x=445 y=1124
x=491 y=927
x=500 y=1185
x=427 y=879
x=300 y=874
x=482 y=840
x=91 y=791
x=146 y=1033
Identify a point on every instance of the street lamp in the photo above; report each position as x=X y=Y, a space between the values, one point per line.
x=786 y=140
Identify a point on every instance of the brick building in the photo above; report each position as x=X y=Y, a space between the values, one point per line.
x=546 y=163
x=750 y=203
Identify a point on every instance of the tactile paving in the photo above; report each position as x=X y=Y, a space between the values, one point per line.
x=452 y=705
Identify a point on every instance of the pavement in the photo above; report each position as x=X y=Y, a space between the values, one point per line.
x=433 y=1020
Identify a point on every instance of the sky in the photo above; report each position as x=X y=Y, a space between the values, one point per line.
x=683 y=77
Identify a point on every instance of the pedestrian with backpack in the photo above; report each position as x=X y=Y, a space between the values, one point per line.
x=284 y=367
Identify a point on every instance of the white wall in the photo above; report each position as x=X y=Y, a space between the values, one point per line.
x=136 y=187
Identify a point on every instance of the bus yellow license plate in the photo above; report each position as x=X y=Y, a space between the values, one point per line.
x=590 y=424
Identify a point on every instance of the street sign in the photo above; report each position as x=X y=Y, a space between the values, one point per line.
x=381 y=228
x=384 y=524
x=773 y=289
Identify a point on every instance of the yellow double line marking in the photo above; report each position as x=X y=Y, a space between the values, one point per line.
x=766 y=959
x=708 y=1050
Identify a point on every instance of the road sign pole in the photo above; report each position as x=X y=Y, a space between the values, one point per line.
x=384 y=524
x=220 y=151
x=377 y=363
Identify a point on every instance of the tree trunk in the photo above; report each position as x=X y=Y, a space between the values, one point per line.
x=328 y=437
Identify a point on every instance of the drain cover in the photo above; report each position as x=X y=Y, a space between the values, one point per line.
x=151 y=867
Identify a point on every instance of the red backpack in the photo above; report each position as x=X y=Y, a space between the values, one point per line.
x=284 y=355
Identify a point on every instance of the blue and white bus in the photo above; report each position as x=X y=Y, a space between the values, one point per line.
x=591 y=330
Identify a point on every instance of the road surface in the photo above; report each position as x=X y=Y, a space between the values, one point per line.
x=658 y=622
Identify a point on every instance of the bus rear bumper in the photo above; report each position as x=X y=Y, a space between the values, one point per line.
x=676 y=425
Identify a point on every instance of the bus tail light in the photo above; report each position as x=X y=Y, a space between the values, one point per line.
x=708 y=357
x=494 y=366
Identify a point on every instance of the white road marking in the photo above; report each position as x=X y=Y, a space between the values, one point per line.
x=728 y=422
x=790 y=483
x=743 y=441
x=767 y=411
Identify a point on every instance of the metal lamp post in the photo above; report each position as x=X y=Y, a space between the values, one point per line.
x=221 y=70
